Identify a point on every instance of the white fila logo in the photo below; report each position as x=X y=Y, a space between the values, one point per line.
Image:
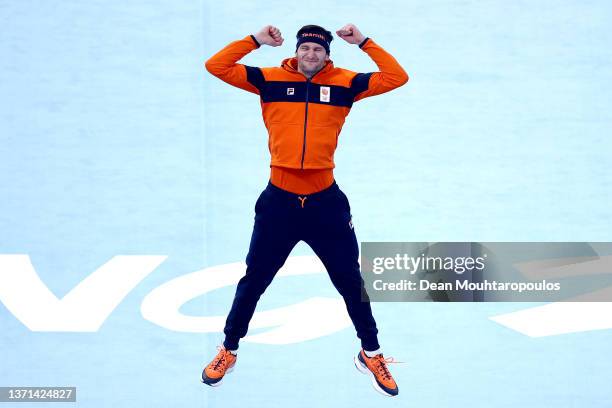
x=290 y=91
x=325 y=94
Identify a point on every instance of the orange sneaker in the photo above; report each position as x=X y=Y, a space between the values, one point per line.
x=376 y=367
x=222 y=364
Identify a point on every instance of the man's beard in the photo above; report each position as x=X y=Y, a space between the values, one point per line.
x=310 y=72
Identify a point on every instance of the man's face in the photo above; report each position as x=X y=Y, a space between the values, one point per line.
x=311 y=58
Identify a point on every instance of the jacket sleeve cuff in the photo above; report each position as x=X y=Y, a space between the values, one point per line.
x=363 y=42
x=255 y=41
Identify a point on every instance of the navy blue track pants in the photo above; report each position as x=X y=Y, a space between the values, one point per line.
x=323 y=221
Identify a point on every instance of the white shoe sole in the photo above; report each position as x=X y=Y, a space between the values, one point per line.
x=366 y=371
x=218 y=383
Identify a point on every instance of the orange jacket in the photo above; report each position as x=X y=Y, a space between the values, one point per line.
x=305 y=116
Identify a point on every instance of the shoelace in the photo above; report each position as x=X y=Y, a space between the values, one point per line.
x=220 y=358
x=381 y=367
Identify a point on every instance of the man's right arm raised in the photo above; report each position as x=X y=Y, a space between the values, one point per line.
x=224 y=65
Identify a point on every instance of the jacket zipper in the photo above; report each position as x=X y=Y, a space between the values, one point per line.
x=305 y=122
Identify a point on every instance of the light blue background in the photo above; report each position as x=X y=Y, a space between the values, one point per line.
x=115 y=140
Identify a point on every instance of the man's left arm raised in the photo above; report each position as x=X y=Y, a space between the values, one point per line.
x=391 y=75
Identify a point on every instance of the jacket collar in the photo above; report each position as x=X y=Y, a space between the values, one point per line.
x=291 y=65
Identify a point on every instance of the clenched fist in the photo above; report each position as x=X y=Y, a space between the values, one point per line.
x=269 y=35
x=351 y=34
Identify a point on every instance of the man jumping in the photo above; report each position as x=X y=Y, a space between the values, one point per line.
x=304 y=104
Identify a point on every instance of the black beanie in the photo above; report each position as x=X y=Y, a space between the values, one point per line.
x=315 y=34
